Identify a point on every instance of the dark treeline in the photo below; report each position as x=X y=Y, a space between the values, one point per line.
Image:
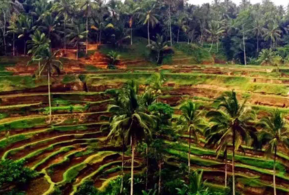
x=243 y=30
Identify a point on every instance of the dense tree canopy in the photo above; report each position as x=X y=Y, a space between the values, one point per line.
x=243 y=30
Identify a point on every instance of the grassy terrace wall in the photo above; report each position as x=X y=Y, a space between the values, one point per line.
x=74 y=148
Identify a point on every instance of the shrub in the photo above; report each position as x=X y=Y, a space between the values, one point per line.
x=14 y=173
x=87 y=188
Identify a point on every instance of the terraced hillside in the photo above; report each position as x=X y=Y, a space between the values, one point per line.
x=74 y=149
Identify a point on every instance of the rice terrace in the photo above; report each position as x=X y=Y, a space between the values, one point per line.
x=144 y=97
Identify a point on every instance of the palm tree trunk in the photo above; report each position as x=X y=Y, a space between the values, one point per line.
x=130 y=36
x=13 y=43
x=233 y=164
x=226 y=169
x=217 y=43
x=86 y=35
x=158 y=59
x=211 y=46
x=244 y=47
x=4 y=33
x=122 y=166
x=148 y=28
x=24 y=48
x=178 y=35
x=160 y=177
x=189 y=153
x=274 y=171
x=170 y=23
x=100 y=37
x=64 y=36
x=49 y=96
x=257 y=41
x=147 y=170
x=132 y=164
x=77 y=51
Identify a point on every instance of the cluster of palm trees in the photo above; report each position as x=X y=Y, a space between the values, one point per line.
x=244 y=30
x=227 y=127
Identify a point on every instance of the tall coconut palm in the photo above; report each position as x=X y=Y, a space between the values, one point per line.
x=134 y=123
x=36 y=44
x=87 y=6
x=131 y=9
x=76 y=34
x=25 y=28
x=215 y=29
x=12 y=28
x=272 y=33
x=64 y=10
x=274 y=134
x=51 y=26
x=213 y=136
x=231 y=120
x=190 y=121
x=150 y=19
x=49 y=65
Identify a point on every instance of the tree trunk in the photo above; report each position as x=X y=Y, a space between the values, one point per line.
x=132 y=164
x=64 y=36
x=233 y=164
x=100 y=37
x=122 y=166
x=4 y=33
x=77 y=51
x=24 y=48
x=158 y=58
x=49 y=95
x=189 y=153
x=217 y=43
x=148 y=28
x=257 y=41
x=170 y=23
x=226 y=169
x=274 y=171
x=178 y=38
x=86 y=34
x=14 y=44
x=211 y=46
x=130 y=36
x=39 y=65
x=244 y=47
x=147 y=163
x=160 y=177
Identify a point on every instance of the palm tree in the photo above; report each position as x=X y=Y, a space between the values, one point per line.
x=76 y=34
x=14 y=30
x=37 y=43
x=50 y=25
x=25 y=28
x=215 y=29
x=64 y=9
x=190 y=121
x=230 y=124
x=213 y=136
x=274 y=133
x=150 y=19
x=130 y=9
x=87 y=6
x=159 y=46
x=272 y=33
x=133 y=122
x=49 y=64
